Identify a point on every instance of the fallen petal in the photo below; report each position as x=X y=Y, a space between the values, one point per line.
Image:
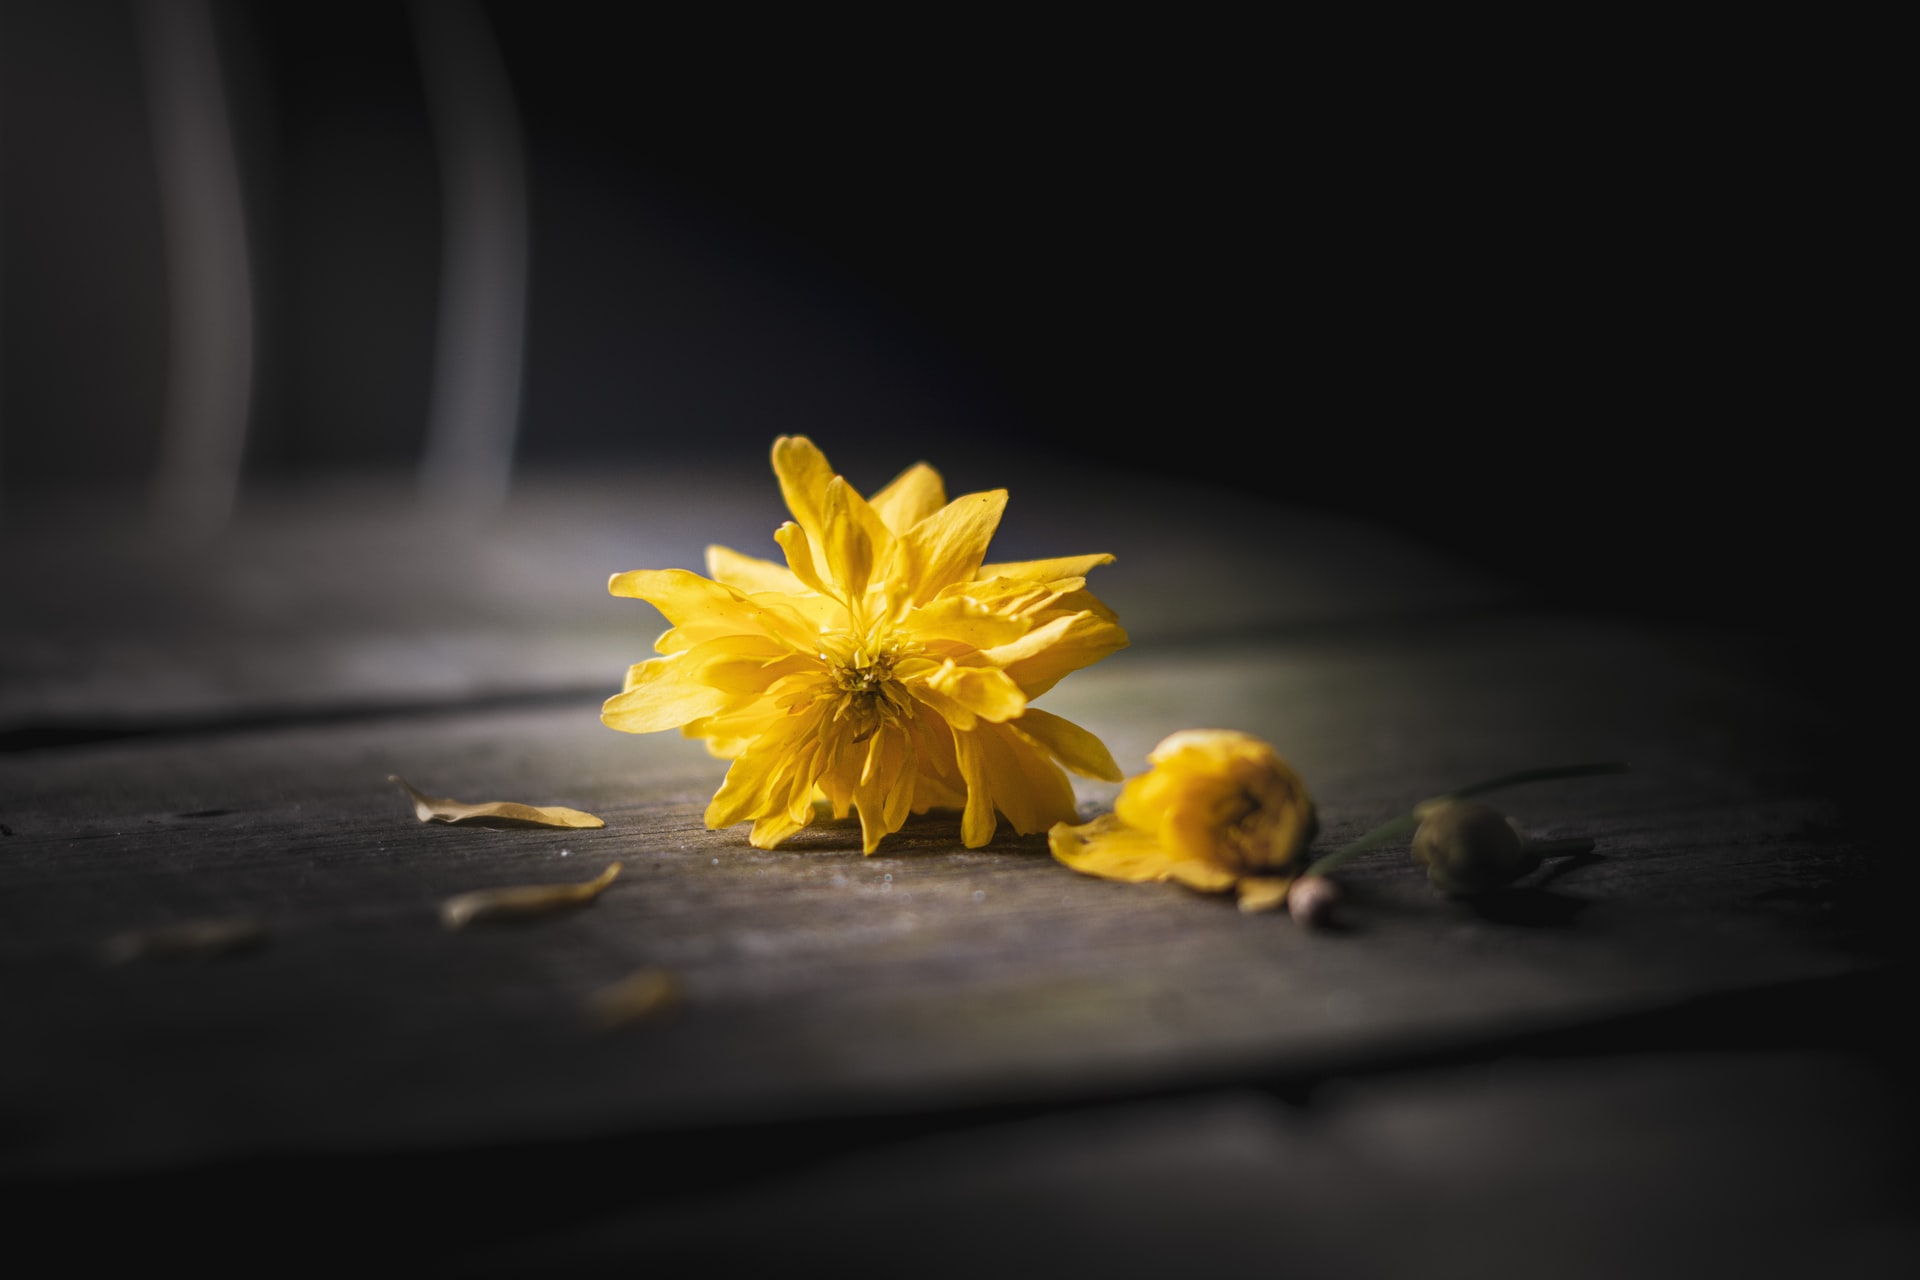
x=190 y=939
x=522 y=902
x=1263 y=893
x=502 y=812
x=649 y=993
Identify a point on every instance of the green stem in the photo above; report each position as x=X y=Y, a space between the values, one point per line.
x=1407 y=822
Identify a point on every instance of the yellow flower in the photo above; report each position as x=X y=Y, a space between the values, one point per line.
x=883 y=669
x=1219 y=810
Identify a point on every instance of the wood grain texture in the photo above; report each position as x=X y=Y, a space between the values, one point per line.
x=211 y=739
x=817 y=980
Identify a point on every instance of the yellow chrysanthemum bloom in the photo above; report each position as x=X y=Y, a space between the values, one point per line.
x=883 y=669
x=1218 y=811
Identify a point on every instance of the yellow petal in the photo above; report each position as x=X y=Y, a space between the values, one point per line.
x=800 y=558
x=750 y=573
x=663 y=693
x=883 y=796
x=521 y=902
x=773 y=830
x=948 y=546
x=977 y=820
x=1264 y=893
x=1038 y=601
x=804 y=473
x=758 y=782
x=986 y=692
x=1045 y=570
x=1146 y=798
x=899 y=787
x=1196 y=874
x=1110 y=849
x=501 y=812
x=647 y=993
x=1075 y=748
x=1039 y=659
x=1031 y=792
x=1076 y=599
x=936 y=780
x=745 y=675
x=798 y=779
x=704 y=610
x=854 y=540
x=963 y=621
x=910 y=497
x=206 y=938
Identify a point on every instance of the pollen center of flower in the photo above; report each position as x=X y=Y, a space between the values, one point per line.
x=1254 y=835
x=869 y=695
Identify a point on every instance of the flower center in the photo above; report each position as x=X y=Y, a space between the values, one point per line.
x=869 y=695
x=1253 y=835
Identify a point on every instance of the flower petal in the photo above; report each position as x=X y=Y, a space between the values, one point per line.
x=769 y=832
x=804 y=473
x=800 y=559
x=977 y=820
x=1197 y=874
x=750 y=573
x=1073 y=746
x=760 y=780
x=1110 y=849
x=910 y=497
x=987 y=692
x=1263 y=893
x=1039 y=659
x=1045 y=570
x=948 y=546
x=963 y=621
x=854 y=539
x=663 y=693
x=523 y=901
x=883 y=795
x=700 y=609
x=504 y=812
x=1029 y=789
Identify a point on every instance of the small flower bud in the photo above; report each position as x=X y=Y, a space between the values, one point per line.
x=1468 y=848
x=1311 y=900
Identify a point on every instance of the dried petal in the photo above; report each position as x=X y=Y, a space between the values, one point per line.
x=498 y=812
x=190 y=939
x=521 y=902
x=650 y=993
x=1263 y=893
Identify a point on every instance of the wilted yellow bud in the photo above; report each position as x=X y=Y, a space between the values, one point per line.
x=1468 y=848
x=1219 y=810
x=1220 y=796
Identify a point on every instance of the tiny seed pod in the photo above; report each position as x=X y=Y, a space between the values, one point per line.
x=1312 y=899
x=1468 y=848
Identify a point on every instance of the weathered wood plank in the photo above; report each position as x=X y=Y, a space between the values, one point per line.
x=818 y=982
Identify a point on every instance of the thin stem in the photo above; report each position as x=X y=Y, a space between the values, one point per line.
x=1407 y=822
x=1537 y=775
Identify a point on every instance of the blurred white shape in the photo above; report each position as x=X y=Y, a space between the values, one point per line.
x=474 y=416
x=210 y=321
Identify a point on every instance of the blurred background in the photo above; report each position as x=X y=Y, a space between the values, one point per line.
x=1536 y=301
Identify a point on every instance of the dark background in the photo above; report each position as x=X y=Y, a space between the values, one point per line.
x=1550 y=299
